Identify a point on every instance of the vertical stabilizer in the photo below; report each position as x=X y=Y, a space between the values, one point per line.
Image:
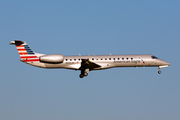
x=25 y=52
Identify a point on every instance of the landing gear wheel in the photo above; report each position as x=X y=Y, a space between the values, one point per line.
x=159 y=72
x=81 y=76
x=85 y=74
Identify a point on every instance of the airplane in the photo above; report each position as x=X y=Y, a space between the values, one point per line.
x=85 y=63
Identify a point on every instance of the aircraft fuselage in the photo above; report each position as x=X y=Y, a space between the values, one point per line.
x=86 y=63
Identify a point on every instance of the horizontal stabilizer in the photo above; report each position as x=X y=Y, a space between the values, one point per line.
x=17 y=42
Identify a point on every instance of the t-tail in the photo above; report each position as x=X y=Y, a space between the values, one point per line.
x=26 y=53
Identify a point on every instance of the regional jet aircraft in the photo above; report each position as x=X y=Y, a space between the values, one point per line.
x=86 y=63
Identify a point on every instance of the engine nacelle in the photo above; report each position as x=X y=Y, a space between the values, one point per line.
x=53 y=59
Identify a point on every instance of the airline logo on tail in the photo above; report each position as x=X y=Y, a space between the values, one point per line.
x=25 y=52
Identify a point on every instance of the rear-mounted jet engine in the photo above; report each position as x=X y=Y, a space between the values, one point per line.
x=53 y=59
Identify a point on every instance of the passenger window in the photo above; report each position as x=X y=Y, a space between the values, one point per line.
x=122 y=58
x=131 y=58
x=74 y=59
x=127 y=58
x=96 y=58
x=66 y=59
x=79 y=59
x=109 y=58
x=118 y=58
x=70 y=59
x=92 y=58
x=114 y=58
x=101 y=59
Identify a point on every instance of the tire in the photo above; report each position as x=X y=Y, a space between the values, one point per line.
x=85 y=74
x=81 y=76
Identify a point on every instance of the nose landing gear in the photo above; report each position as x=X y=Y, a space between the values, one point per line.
x=159 y=70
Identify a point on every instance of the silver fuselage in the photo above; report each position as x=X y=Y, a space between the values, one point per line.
x=85 y=63
x=106 y=61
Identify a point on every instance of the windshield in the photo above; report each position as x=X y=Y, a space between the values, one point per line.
x=154 y=57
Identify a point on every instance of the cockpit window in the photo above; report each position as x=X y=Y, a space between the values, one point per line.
x=154 y=57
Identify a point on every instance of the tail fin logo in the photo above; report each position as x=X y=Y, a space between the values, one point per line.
x=25 y=52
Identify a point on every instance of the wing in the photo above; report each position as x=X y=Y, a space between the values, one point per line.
x=87 y=64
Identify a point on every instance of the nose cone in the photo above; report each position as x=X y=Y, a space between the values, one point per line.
x=164 y=62
x=168 y=64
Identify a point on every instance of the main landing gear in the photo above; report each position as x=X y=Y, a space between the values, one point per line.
x=84 y=73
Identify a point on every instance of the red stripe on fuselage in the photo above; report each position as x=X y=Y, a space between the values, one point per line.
x=31 y=60
x=24 y=57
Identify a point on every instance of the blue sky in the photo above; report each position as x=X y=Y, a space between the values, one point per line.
x=87 y=28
